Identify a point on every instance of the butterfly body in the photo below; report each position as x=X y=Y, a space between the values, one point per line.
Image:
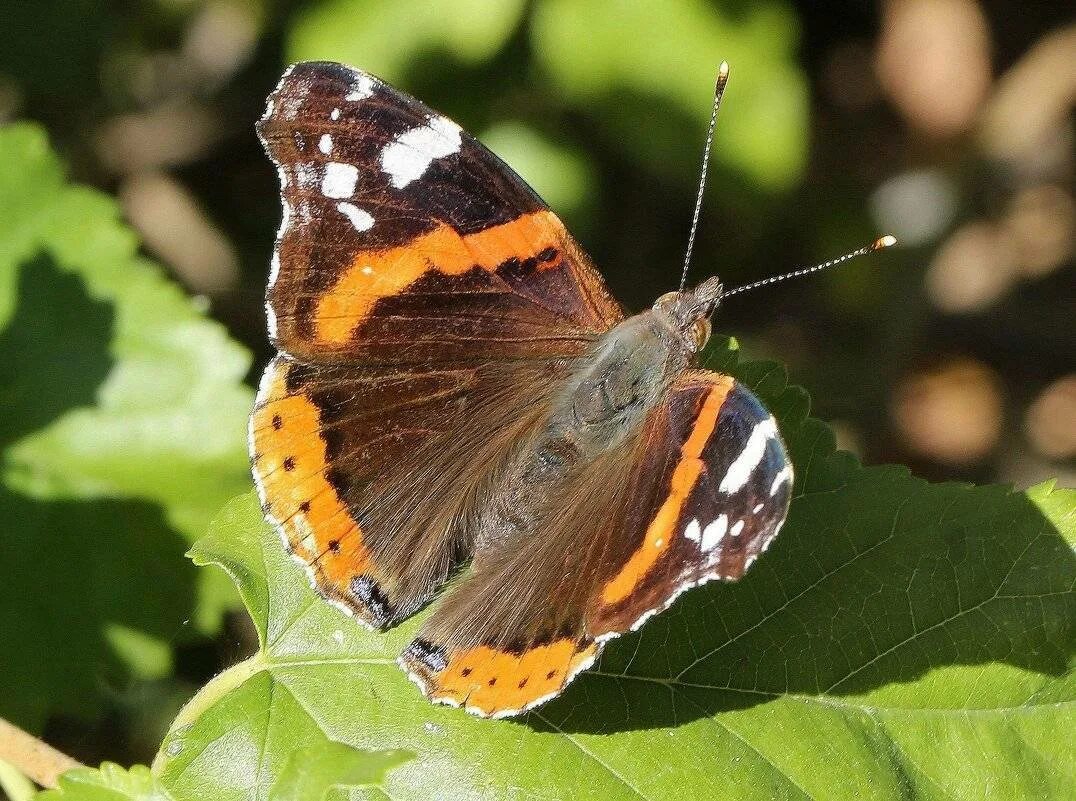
x=604 y=401
x=461 y=414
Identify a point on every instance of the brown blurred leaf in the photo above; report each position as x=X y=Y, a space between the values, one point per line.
x=952 y=414
x=934 y=62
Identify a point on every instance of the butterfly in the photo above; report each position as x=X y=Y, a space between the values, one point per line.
x=461 y=413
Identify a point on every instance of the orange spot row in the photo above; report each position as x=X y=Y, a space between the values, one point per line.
x=493 y=681
x=373 y=275
x=290 y=466
x=660 y=531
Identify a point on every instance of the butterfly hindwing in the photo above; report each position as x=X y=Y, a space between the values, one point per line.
x=371 y=474
x=725 y=494
x=695 y=495
x=405 y=240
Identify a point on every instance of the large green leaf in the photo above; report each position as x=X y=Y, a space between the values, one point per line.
x=310 y=773
x=900 y=639
x=123 y=432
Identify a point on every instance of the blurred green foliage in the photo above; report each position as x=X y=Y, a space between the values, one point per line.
x=122 y=434
x=601 y=58
x=387 y=35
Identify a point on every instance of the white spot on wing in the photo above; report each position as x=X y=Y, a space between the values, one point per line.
x=362 y=220
x=693 y=532
x=758 y=508
x=339 y=180
x=714 y=533
x=784 y=476
x=736 y=529
x=361 y=88
x=325 y=144
x=289 y=109
x=334 y=114
x=306 y=175
x=740 y=470
x=406 y=159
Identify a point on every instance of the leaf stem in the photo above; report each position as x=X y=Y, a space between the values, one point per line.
x=32 y=757
x=217 y=687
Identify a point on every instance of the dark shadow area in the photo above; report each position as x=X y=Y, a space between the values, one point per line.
x=72 y=571
x=877 y=579
x=80 y=576
x=819 y=617
x=55 y=346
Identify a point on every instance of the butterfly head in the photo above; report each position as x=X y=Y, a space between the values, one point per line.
x=688 y=312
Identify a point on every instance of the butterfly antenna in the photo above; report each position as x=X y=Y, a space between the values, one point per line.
x=877 y=244
x=719 y=91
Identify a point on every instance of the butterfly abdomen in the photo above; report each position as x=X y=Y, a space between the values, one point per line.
x=604 y=402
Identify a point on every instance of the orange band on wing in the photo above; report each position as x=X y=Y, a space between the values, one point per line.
x=659 y=532
x=499 y=683
x=375 y=274
x=289 y=464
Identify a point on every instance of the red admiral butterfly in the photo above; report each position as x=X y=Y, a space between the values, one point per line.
x=455 y=384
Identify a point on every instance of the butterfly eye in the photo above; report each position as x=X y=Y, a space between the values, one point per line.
x=700 y=333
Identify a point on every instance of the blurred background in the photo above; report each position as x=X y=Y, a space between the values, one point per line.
x=947 y=123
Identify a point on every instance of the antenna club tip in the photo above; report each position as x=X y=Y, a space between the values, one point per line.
x=723 y=72
x=886 y=241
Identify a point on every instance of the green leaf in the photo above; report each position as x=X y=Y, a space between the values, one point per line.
x=312 y=771
x=108 y=783
x=254 y=740
x=900 y=639
x=385 y=36
x=123 y=432
x=603 y=52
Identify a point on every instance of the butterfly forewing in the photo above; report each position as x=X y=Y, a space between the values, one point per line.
x=405 y=240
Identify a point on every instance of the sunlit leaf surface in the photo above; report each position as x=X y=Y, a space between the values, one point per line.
x=122 y=433
x=900 y=639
